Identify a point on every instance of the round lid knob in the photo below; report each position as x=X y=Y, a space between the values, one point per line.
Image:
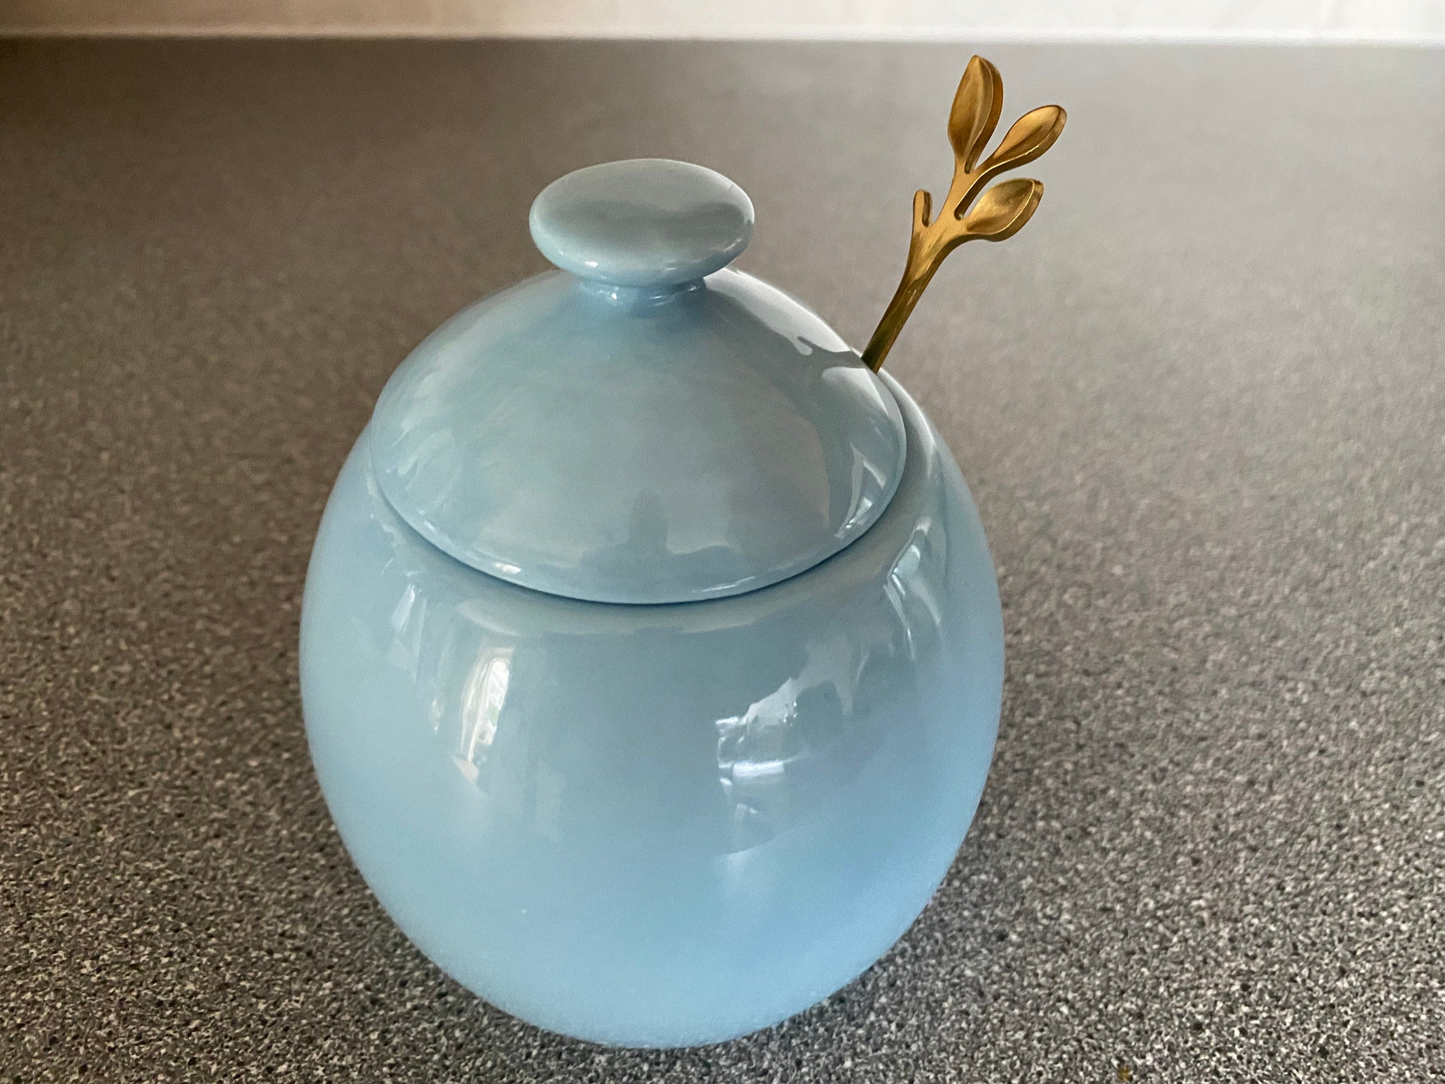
x=644 y=222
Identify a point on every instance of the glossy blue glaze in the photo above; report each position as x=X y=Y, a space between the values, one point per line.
x=627 y=445
x=655 y=825
x=642 y=222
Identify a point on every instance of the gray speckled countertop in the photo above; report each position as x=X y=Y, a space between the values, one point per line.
x=1201 y=403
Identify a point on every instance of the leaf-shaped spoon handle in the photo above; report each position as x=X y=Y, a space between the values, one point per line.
x=1001 y=213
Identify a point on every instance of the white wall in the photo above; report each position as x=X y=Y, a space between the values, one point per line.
x=1388 y=20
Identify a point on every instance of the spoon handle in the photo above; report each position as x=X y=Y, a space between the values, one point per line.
x=1001 y=213
x=916 y=276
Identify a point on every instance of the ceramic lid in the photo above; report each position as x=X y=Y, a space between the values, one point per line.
x=646 y=425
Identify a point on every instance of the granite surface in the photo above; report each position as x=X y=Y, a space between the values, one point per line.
x=1200 y=400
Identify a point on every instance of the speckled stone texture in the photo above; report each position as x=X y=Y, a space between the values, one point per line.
x=1200 y=400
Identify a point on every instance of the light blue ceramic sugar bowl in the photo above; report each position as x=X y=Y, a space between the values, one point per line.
x=651 y=651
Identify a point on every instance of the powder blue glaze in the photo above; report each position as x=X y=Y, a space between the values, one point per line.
x=627 y=445
x=643 y=222
x=655 y=825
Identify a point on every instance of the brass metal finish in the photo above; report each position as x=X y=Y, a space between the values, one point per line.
x=1000 y=213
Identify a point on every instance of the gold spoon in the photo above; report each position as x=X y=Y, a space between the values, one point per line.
x=1000 y=213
